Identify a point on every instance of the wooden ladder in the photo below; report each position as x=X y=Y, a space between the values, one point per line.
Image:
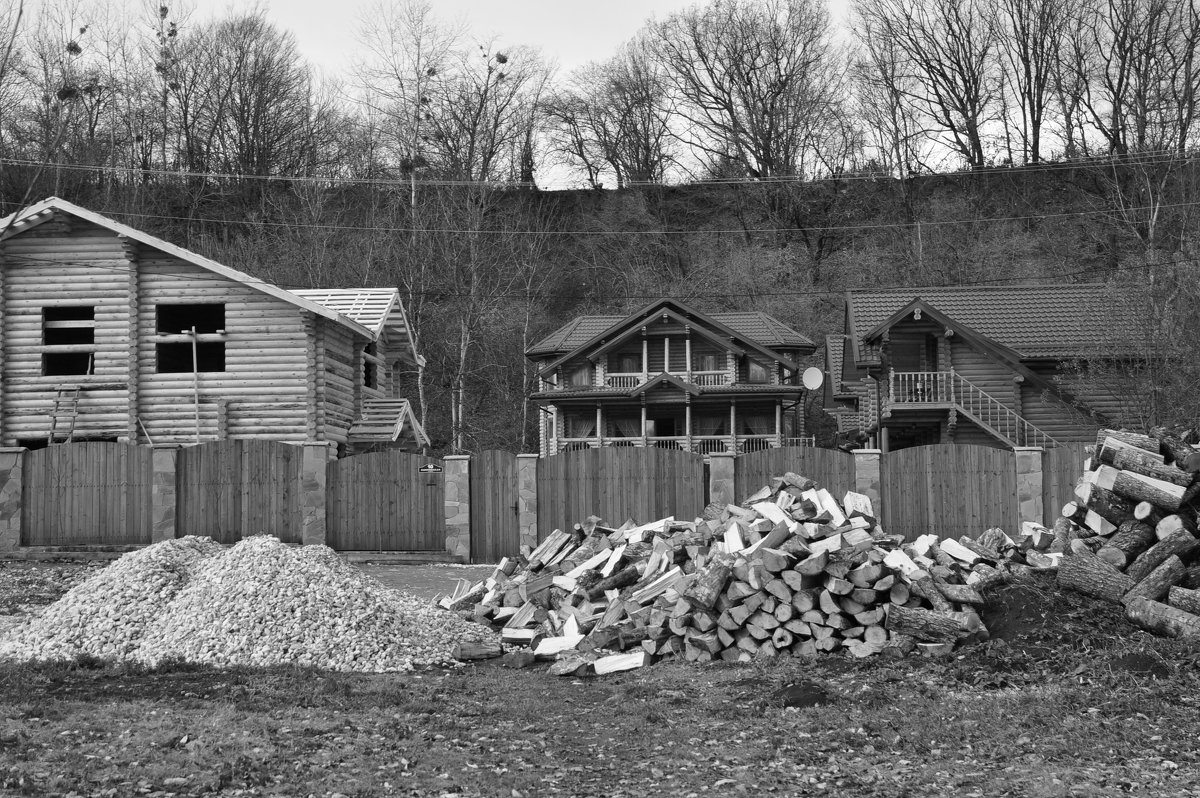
x=66 y=410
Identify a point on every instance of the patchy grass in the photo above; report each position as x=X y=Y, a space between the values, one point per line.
x=1067 y=699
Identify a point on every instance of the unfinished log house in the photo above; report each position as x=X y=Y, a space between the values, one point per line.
x=670 y=376
x=985 y=365
x=109 y=333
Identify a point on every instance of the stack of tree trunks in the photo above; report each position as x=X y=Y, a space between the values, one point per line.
x=1130 y=535
x=791 y=571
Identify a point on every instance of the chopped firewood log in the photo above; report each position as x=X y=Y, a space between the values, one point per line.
x=1185 y=599
x=1163 y=619
x=621 y=662
x=899 y=593
x=1191 y=578
x=1181 y=543
x=1140 y=488
x=960 y=551
x=1156 y=583
x=1086 y=573
x=1170 y=524
x=1173 y=447
x=775 y=561
x=813 y=564
x=1134 y=439
x=921 y=584
x=469 y=651
x=962 y=594
x=1131 y=539
x=623 y=578
x=709 y=582
x=1108 y=505
x=925 y=625
x=1138 y=461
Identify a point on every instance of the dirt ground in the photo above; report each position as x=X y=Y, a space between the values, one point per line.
x=426 y=581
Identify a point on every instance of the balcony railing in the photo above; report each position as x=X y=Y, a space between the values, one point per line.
x=705 y=379
x=700 y=444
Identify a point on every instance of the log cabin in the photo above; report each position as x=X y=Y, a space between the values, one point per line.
x=669 y=376
x=109 y=333
x=987 y=365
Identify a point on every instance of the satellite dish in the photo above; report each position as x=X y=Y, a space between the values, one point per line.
x=813 y=378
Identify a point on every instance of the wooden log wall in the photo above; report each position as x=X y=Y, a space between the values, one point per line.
x=61 y=264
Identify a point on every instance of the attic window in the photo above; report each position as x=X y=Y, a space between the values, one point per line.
x=190 y=338
x=69 y=339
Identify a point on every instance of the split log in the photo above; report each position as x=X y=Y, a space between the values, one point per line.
x=925 y=625
x=1135 y=439
x=1157 y=582
x=621 y=662
x=1182 y=598
x=923 y=585
x=1173 y=447
x=1139 y=488
x=1170 y=524
x=1181 y=543
x=469 y=651
x=710 y=581
x=1086 y=573
x=1108 y=505
x=1145 y=511
x=626 y=576
x=1163 y=619
x=962 y=594
x=1137 y=461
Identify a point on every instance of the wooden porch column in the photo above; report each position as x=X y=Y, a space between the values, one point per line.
x=645 y=361
x=599 y=426
x=687 y=420
x=667 y=354
x=644 y=441
x=732 y=426
x=687 y=355
x=778 y=424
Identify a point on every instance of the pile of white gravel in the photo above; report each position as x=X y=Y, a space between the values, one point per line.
x=257 y=603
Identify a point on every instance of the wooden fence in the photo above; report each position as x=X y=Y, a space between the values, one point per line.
x=483 y=507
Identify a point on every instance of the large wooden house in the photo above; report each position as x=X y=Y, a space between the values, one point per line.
x=109 y=333
x=981 y=364
x=670 y=376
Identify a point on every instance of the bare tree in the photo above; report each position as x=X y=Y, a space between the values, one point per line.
x=615 y=116
x=757 y=80
x=948 y=47
x=1030 y=38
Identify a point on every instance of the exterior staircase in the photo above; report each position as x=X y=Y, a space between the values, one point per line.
x=915 y=388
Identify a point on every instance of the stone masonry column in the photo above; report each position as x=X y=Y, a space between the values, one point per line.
x=314 y=463
x=163 y=494
x=527 y=500
x=721 y=484
x=866 y=476
x=457 y=469
x=12 y=479
x=1029 y=484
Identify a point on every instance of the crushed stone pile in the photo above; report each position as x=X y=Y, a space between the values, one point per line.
x=257 y=603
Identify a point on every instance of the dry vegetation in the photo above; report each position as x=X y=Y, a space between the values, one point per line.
x=1066 y=699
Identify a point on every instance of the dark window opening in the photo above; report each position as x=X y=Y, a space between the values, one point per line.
x=370 y=378
x=175 y=319
x=59 y=364
x=177 y=358
x=757 y=373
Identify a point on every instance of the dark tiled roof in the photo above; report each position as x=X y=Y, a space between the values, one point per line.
x=835 y=346
x=754 y=325
x=1034 y=320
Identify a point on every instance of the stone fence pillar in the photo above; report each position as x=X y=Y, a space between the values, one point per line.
x=458 y=505
x=1029 y=485
x=866 y=476
x=314 y=466
x=12 y=480
x=527 y=500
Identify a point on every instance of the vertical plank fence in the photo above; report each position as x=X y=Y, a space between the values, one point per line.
x=949 y=490
x=617 y=484
x=382 y=501
x=234 y=488
x=831 y=468
x=89 y=494
x=495 y=529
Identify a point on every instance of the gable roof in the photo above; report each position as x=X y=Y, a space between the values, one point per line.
x=1034 y=321
x=835 y=348
x=43 y=211
x=758 y=330
x=377 y=309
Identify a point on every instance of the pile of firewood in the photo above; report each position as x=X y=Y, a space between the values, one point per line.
x=1131 y=533
x=791 y=571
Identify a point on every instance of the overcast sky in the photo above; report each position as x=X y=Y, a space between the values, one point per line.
x=572 y=32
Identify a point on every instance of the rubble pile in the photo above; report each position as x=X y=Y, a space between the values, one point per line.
x=257 y=603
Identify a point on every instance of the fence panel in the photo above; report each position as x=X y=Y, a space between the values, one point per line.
x=230 y=489
x=382 y=501
x=830 y=468
x=1061 y=468
x=949 y=490
x=87 y=494
x=495 y=527
x=617 y=484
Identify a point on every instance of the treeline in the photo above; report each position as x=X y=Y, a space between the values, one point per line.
x=761 y=166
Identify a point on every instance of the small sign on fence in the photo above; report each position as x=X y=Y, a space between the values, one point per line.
x=430 y=468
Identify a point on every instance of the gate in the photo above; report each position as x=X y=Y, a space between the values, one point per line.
x=231 y=489
x=619 y=483
x=383 y=501
x=949 y=490
x=495 y=527
x=90 y=494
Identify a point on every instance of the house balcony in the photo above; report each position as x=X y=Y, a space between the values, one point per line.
x=703 y=379
x=697 y=444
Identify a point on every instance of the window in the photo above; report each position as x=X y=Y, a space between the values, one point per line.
x=190 y=338
x=626 y=363
x=757 y=372
x=708 y=361
x=579 y=376
x=69 y=337
x=371 y=365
